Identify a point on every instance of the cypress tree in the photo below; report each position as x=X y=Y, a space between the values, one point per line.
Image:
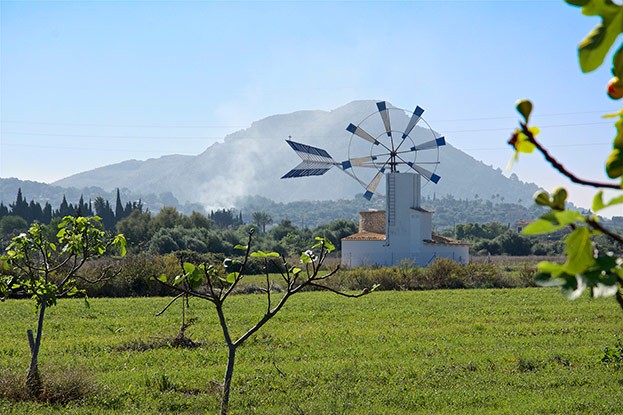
x=20 y=207
x=3 y=210
x=119 y=212
x=35 y=212
x=64 y=210
x=46 y=216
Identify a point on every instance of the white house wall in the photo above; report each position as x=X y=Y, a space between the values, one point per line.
x=370 y=253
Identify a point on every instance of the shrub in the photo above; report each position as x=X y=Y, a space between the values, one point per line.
x=443 y=273
x=60 y=386
x=134 y=278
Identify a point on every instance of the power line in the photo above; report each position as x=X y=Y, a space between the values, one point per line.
x=476 y=130
x=108 y=149
x=506 y=148
x=540 y=127
x=244 y=126
x=121 y=125
x=536 y=115
x=117 y=136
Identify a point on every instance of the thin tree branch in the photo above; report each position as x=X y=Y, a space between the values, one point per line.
x=189 y=292
x=612 y=235
x=365 y=291
x=558 y=166
x=243 y=267
x=324 y=277
x=170 y=303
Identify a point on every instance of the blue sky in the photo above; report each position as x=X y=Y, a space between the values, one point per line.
x=86 y=84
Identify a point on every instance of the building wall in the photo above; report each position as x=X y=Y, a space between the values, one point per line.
x=367 y=253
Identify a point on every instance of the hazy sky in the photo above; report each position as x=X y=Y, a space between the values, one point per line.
x=86 y=84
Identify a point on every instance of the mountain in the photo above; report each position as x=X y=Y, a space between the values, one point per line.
x=251 y=161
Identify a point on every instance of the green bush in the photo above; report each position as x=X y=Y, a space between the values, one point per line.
x=133 y=276
x=442 y=273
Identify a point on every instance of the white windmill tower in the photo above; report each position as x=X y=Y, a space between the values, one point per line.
x=376 y=151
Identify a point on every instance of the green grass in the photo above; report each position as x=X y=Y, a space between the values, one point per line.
x=520 y=351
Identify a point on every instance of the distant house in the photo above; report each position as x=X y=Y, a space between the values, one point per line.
x=521 y=224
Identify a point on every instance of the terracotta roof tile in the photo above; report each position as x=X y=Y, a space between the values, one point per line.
x=365 y=236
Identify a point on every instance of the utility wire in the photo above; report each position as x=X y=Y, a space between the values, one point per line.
x=477 y=130
x=244 y=126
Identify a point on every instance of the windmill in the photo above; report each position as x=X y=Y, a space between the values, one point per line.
x=376 y=150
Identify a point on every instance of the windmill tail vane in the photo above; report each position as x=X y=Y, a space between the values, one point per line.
x=316 y=161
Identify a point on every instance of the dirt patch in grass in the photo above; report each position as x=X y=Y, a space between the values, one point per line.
x=60 y=386
x=181 y=342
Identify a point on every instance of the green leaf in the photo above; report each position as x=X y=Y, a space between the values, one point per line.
x=328 y=245
x=579 y=250
x=74 y=290
x=162 y=278
x=547 y=267
x=524 y=107
x=262 y=254
x=614 y=164
x=594 y=48
x=606 y=262
x=295 y=270
x=618 y=139
x=617 y=63
x=188 y=267
x=195 y=278
x=541 y=226
x=567 y=217
x=553 y=221
x=598 y=203
x=179 y=278
x=241 y=247
x=121 y=243
x=577 y=2
x=231 y=277
x=546 y=280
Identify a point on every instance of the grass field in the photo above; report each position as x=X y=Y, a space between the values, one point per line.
x=506 y=351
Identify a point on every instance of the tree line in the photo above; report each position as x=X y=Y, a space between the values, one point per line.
x=170 y=230
x=220 y=230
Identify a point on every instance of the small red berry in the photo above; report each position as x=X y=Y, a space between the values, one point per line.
x=615 y=88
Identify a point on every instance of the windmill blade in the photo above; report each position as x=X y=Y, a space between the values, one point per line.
x=437 y=142
x=359 y=162
x=382 y=106
x=373 y=184
x=429 y=175
x=308 y=168
x=360 y=132
x=415 y=118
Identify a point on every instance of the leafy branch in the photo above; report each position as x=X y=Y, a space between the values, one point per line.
x=586 y=265
x=216 y=284
x=526 y=135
